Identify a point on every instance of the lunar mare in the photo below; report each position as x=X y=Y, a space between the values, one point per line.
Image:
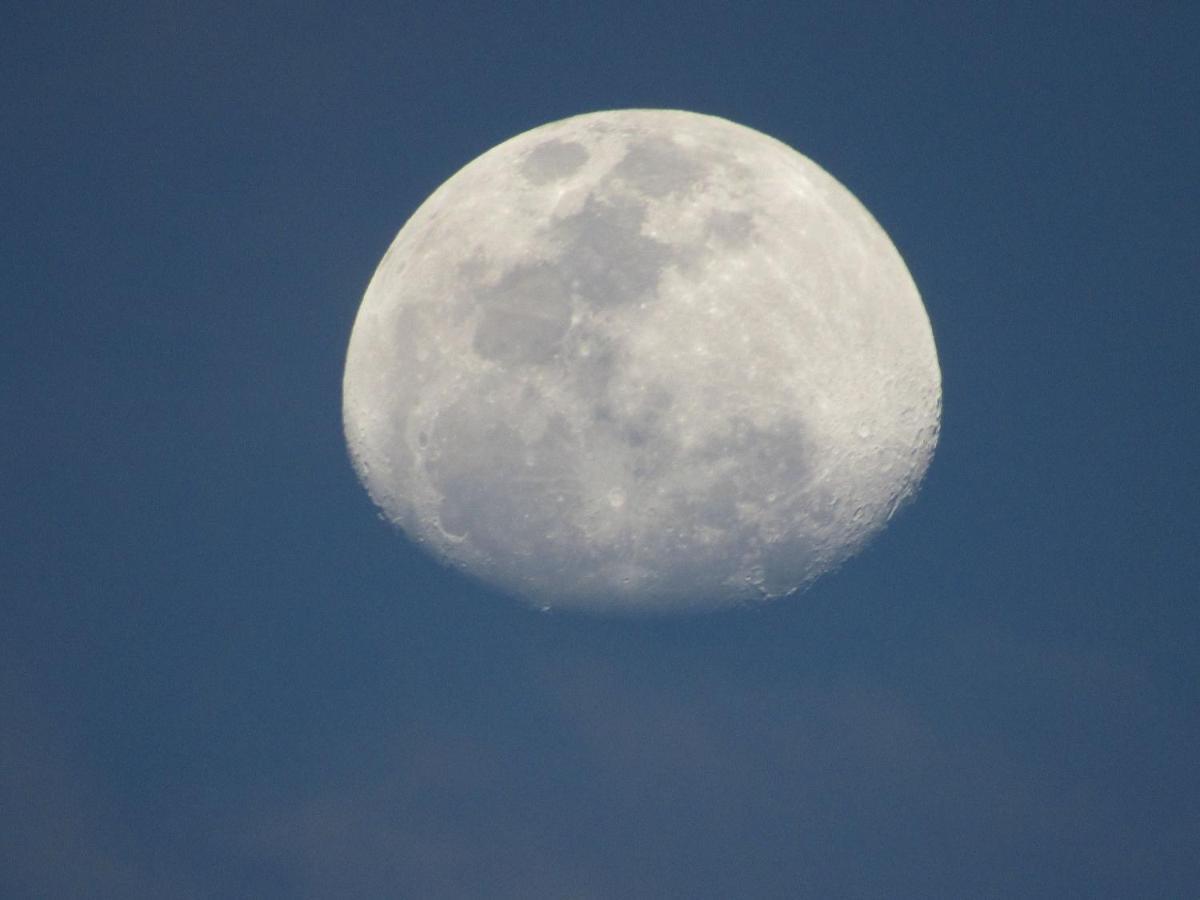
x=642 y=361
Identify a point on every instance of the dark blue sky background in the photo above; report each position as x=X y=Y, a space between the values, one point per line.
x=222 y=675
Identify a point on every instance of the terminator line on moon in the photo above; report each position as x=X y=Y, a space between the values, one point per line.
x=642 y=361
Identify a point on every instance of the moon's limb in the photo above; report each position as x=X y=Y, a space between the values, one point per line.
x=642 y=360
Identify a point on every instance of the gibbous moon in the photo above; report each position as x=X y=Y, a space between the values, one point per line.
x=642 y=361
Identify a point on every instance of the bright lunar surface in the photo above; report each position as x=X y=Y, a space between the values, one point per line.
x=642 y=361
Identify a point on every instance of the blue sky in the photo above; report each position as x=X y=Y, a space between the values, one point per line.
x=222 y=675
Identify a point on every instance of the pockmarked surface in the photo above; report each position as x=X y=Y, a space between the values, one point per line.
x=642 y=361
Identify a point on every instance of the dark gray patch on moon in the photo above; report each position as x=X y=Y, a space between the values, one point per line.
x=591 y=358
x=552 y=160
x=641 y=422
x=657 y=167
x=525 y=316
x=771 y=455
x=734 y=229
x=474 y=267
x=598 y=236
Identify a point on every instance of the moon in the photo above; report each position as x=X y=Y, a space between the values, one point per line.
x=641 y=361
